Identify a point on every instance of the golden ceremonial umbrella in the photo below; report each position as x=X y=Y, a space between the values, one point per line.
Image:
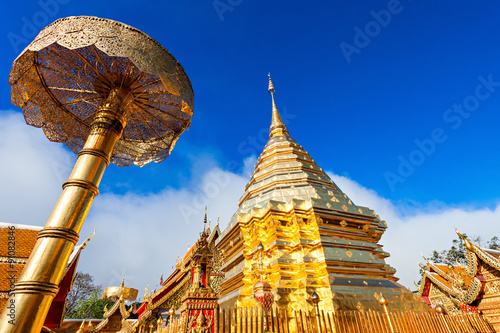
x=111 y=93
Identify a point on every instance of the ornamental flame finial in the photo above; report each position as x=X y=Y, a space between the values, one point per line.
x=84 y=245
x=468 y=244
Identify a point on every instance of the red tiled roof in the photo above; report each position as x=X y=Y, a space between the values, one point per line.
x=25 y=240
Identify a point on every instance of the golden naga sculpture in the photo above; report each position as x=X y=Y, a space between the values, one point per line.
x=112 y=94
x=470 y=288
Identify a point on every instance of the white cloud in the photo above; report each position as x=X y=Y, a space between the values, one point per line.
x=32 y=170
x=423 y=229
x=140 y=236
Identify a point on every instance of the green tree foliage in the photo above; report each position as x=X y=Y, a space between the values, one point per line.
x=90 y=308
x=84 y=300
x=83 y=290
x=494 y=243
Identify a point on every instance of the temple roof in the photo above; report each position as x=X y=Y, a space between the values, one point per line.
x=178 y=280
x=462 y=283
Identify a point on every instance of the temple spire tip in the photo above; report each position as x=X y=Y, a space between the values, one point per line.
x=270 y=88
x=277 y=125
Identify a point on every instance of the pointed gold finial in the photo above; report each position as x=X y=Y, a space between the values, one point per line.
x=277 y=125
x=270 y=89
x=382 y=300
x=424 y=257
x=82 y=327
x=218 y=217
x=90 y=327
x=84 y=245
x=205 y=220
x=468 y=244
x=123 y=282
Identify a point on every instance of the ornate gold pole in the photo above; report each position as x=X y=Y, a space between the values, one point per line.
x=38 y=283
x=383 y=301
x=315 y=299
x=75 y=78
x=442 y=313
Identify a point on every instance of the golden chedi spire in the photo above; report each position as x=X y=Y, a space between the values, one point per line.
x=289 y=204
x=277 y=125
x=286 y=171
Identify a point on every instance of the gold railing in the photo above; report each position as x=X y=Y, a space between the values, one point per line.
x=174 y=326
x=409 y=322
x=253 y=320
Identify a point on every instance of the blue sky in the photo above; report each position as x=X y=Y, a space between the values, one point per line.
x=365 y=87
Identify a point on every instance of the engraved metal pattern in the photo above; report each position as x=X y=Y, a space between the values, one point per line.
x=472 y=264
x=83 y=184
x=56 y=232
x=35 y=287
x=64 y=75
x=473 y=291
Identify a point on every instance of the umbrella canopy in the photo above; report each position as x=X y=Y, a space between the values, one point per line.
x=66 y=73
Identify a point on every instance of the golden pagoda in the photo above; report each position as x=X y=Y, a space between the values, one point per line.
x=315 y=238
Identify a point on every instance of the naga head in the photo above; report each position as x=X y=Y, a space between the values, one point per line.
x=468 y=244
